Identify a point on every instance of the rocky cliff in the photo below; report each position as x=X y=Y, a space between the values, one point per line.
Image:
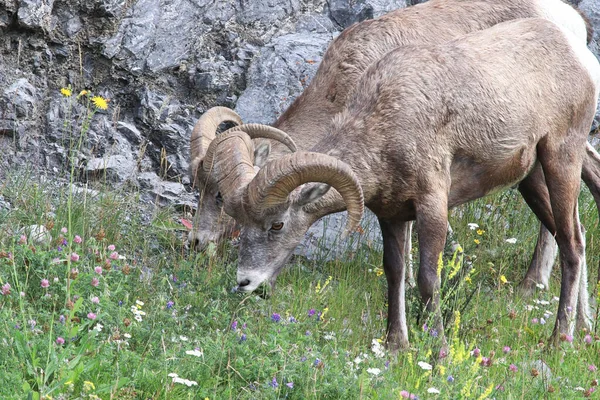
x=161 y=63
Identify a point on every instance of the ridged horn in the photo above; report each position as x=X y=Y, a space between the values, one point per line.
x=254 y=131
x=204 y=133
x=278 y=178
x=233 y=167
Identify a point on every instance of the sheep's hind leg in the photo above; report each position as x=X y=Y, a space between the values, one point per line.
x=561 y=160
x=394 y=239
x=541 y=264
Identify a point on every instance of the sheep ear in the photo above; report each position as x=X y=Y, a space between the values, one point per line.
x=312 y=192
x=261 y=153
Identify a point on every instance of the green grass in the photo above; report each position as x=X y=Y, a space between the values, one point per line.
x=315 y=331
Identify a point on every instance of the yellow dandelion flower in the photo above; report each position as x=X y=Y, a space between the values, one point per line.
x=468 y=279
x=503 y=279
x=65 y=92
x=477 y=241
x=480 y=232
x=100 y=102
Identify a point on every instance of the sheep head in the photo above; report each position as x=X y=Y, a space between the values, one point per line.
x=277 y=204
x=211 y=223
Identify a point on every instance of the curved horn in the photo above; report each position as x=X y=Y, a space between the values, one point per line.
x=276 y=180
x=204 y=133
x=254 y=131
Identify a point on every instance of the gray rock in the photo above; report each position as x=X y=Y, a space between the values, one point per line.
x=346 y=12
x=165 y=193
x=36 y=14
x=324 y=241
x=266 y=11
x=117 y=168
x=280 y=74
x=22 y=96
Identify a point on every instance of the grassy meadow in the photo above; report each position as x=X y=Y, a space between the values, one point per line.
x=105 y=302
x=114 y=307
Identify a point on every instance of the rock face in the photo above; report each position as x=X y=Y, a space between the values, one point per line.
x=161 y=64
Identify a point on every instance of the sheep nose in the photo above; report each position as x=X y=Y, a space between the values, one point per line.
x=243 y=283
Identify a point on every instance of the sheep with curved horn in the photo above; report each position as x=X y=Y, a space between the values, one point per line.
x=431 y=127
x=346 y=59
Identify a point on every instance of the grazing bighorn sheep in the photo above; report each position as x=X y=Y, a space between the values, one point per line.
x=430 y=127
x=344 y=62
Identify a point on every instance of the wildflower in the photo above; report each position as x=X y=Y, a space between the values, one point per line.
x=62 y=319
x=177 y=379
x=506 y=349
x=535 y=320
x=73 y=273
x=292 y=320
x=477 y=241
x=95 y=282
x=114 y=255
x=77 y=239
x=82 y=93
x=170 y=304
x=91 y=316
x=98 y=270
x=65 y=92
x=476 y=352
x=274 y=383
x=87 y=386
x=45 y=283
x=311 y=312
x=566 y=338
x=592 y=368
x=195 y=352
x=433 y=390
x=60 y=341
x=275 y=317
x=95 y=300
x=424 y=365
x=587 y=339
x=100 y=102
x=139 y=303
x=234 y=325
x=480 y=232
x=183 y=338
x=63 y=230
x=111 y=247
x=503 y=279
x=290 y=385
x=542 y=321
x=377 y=348
x=450 y=379
x=472 y=226
x=23 y=239
x=511 y=240
x=243 y=338
x=486 y=361
x=6 y=290
x=374 y=371
x=74 y=257
x=98 y=327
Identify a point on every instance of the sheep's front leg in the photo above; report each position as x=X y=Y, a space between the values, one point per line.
x=395 y=235
x=432 y=223
x=591 y=176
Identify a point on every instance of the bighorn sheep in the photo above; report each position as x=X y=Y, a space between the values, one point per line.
x=430 y=127
x=346 y=59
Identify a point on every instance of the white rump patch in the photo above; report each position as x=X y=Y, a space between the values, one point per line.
x=564 y=16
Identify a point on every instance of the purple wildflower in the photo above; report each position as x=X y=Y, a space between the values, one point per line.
x=290 y=385
x=275 y=317
x=170 y=304
x=274 y=383
x=234 y=325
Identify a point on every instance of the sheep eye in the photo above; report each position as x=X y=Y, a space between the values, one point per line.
x=277 y=226
x=219 y=199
